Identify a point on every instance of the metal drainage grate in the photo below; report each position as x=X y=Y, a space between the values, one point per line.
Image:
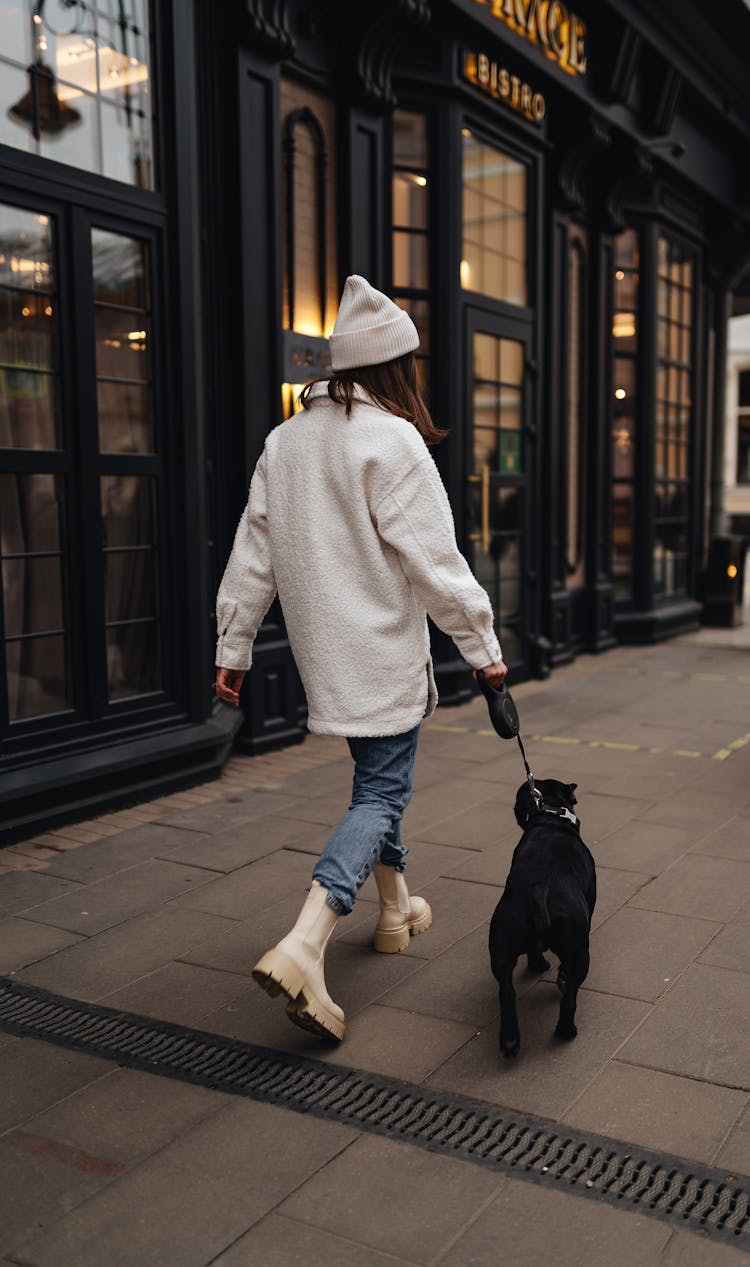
x=665 y=1188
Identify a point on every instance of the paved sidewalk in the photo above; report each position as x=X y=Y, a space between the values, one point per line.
x=162 y=909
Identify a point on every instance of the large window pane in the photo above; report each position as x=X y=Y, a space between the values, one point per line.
x=123 y=343
x=624 y=408
x=410 y=223
x=494 y=222
x=29 y=409
x=130 y=583
x=33 y=593
x=673 y=417
x=76 y=86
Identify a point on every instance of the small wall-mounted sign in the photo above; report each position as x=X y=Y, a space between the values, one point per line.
x=560 y=33
x=498 y=82
x=305 y=356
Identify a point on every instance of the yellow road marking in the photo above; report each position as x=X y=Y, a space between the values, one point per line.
x=572 y=741
x=685 y=752
x=556 y=739
x=622 y=747
x=722 y=754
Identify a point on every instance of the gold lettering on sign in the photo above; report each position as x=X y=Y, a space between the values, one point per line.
x=558 y=31
x=499 y=83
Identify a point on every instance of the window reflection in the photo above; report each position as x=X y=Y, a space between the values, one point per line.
x=624 y=409
x=673 y=416
x=77 y=84
x=130 y=584
x=494 y=222
x=29 y=413
x=33 y=594
x=123 y=343
x=410 y=223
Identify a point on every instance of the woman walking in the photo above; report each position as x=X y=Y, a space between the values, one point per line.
x=348 y=520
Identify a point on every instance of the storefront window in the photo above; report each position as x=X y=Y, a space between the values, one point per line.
x=493 y=258
x=123 y=343
x=122 y=322
x=743 y=427
x=576 y=423
x=410 y=224
x=32 y=501
x=673 y=416
x=624 y=407
x=76 y=83
x=310 y=271
x=495 y=489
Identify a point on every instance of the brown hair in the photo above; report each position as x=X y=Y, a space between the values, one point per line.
x=393 y=385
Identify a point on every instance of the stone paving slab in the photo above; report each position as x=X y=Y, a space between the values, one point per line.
x=23 y=942
x=700 y=1029
x=118 y=898
x=251 y=889
x=130 y=1114
x=640 y=845
x=179 y=992
x=396 y=1197
x=549 y=1073
x=46 y=1184
x=735 y=1154
x=278 y=1241
x=34 y=1075
x=197 y=1195
x=21 y=890
x=638 y=954
x=95 y=966
x=730 y=840
x=526 y=1228
x=392 y=1041
x=659 y=1111
x=696 y=1249
x=704 y=888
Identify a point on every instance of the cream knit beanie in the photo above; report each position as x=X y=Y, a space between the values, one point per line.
x=370 y=328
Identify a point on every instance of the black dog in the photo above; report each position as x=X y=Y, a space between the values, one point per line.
x=548 y=902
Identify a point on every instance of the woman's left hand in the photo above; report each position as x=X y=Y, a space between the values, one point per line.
x=228 y=683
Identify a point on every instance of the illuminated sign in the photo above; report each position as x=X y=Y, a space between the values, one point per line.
x=560 y=33
x=498 y=82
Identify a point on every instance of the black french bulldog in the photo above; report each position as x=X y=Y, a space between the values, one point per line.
x=548 y=902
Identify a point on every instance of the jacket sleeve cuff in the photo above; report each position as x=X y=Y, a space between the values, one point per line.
x=233 y=655
x=479 y=652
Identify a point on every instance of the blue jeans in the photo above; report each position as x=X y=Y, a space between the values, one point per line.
x=383 y=778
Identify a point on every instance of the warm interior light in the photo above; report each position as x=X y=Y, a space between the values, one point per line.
x=465 y=131
x=731 y=571
x=48 y=310
x=25 y=312
x=465 y=272
x=421 y=180
x=620 y=393
x=135 y=336
x=620 y=275
x=623 y=325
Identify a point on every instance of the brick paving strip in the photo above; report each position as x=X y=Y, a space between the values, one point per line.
x=162 y=908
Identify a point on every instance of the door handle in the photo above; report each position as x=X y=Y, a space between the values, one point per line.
x=484 y=479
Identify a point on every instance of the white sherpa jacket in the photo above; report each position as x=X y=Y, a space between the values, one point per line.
x=348 y=520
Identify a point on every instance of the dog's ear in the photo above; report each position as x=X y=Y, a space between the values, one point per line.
x=571 y=788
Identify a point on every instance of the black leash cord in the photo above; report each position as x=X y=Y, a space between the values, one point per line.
x=536 y=794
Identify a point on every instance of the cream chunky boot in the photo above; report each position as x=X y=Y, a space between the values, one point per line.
x=295 y=968
x=401 y=916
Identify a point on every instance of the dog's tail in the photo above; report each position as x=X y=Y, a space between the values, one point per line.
x=539 y=912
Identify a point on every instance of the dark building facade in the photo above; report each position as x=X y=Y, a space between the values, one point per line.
x=557 y=194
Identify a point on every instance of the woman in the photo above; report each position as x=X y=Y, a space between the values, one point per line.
x=348 y=520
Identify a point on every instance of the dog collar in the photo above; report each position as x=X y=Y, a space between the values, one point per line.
x=563 y=812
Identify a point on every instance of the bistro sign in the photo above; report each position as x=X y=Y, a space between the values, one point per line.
x=558 y=31
x=499 y=83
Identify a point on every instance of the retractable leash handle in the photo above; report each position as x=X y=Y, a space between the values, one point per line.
x=504 y=718
x=503 y=712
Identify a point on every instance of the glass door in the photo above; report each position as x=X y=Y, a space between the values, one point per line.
x=497 y=472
